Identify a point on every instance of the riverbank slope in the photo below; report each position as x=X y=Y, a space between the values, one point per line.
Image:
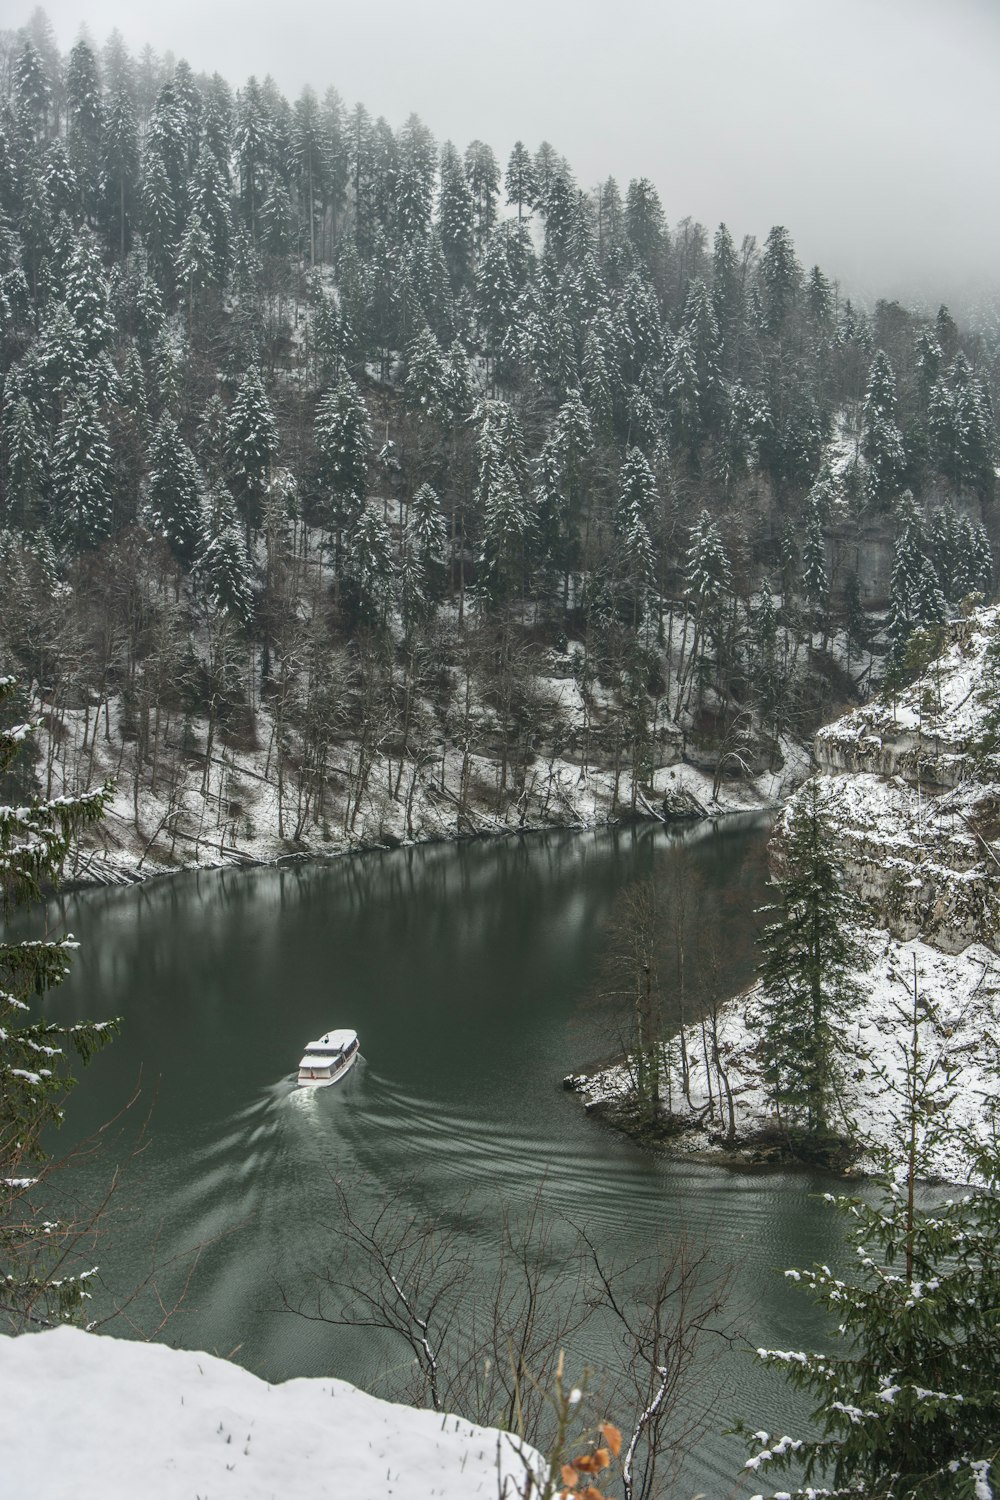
x=911 y=787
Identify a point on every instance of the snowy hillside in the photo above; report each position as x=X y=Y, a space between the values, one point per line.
x=912 y=792
x=87 y=1416
x=916 y=800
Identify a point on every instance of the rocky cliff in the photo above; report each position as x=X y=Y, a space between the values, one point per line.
x=913 y=790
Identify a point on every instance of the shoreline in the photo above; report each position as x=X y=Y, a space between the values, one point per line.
x=93 y=868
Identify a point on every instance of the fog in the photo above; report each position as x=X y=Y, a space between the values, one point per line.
x=868 y=127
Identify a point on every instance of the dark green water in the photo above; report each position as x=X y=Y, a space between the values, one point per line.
x=469 y=973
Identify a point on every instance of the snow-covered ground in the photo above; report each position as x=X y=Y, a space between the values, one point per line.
x=963 y=990
x=914 y=811
x=230 y=813
x=88 y=1417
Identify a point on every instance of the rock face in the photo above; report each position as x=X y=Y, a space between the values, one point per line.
x=682 y=806
x=914 y=796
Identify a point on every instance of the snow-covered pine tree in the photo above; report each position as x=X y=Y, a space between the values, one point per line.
x=41 y=1280
x=882 y=441
x=520 y=182
x=210 y=200
x=251 y=446
x=25 y=463
x=455 y=217
x=634 y=511
x=779 y=279
x=344 y=446
x=426 y=384
x=809 y=991
x=175 y=490
x=427 y=540
x=369 y=567
x=224 y=563
x=84 y=124
x=483 y=176
x=507 y=525
x=907 y=1403
x=815 y=572
x=120 y=193
x=81 y=474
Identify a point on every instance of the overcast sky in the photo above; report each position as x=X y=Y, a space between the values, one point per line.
x=871 y=128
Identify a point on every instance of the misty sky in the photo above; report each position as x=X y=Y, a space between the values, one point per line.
x=869 y=127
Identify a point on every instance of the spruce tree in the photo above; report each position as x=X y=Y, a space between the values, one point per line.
x=344 y=445
x=908 y=1400
x=882 y=442
x=808 y=986
x=224 y=562
x=520 y=182
x=175 y=489
x=81 y=474
x=41 y=1282
x=251 y=446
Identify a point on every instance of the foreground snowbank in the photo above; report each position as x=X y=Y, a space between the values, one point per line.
x=86 y=1416
x=962 y=989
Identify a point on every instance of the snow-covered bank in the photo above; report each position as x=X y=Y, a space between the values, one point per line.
x=911 y=795
x=237 y=820
x=964 y=990
x=89 y=1416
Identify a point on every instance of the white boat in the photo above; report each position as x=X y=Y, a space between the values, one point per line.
x=328 y=1059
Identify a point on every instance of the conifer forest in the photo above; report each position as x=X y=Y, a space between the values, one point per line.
x=325 y=440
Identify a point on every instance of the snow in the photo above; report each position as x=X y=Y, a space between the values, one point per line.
x=85 y=1414
x=907 y=800
x=965 y=990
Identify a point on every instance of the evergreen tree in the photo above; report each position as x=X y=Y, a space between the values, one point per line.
x=882 y=442
x=520 y=182
x=808 y=986
x=506 y=528
x=211 y=203
x=224 y=563
x=483 y=175
x=815 y=576
x=253 y=148
x=85 y=124
x=344 y=447
x=780 y=279
x=81 y=474
x=427 y=540
x=636 y=506
x=727 y=294
x=120 y=192
x=907 y=1403
x=416 y=175
x=32 y=93
x=646 y=228
x=87 y=297
x=175 y=492
x=251 y=446
x=369 y=567
x=707 y=572
x=42 y=1285
x=25 y=465
x=456 y=217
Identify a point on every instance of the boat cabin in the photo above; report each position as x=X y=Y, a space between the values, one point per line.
x=329 y=1057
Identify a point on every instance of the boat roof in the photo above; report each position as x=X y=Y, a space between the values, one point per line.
x=333 y=1041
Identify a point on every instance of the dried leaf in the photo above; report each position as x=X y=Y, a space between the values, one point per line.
x=612 y=1436
x=569 y=1475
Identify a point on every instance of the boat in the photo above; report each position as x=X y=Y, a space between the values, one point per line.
x=328 y=1059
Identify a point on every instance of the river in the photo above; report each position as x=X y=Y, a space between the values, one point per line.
x=470 y=971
